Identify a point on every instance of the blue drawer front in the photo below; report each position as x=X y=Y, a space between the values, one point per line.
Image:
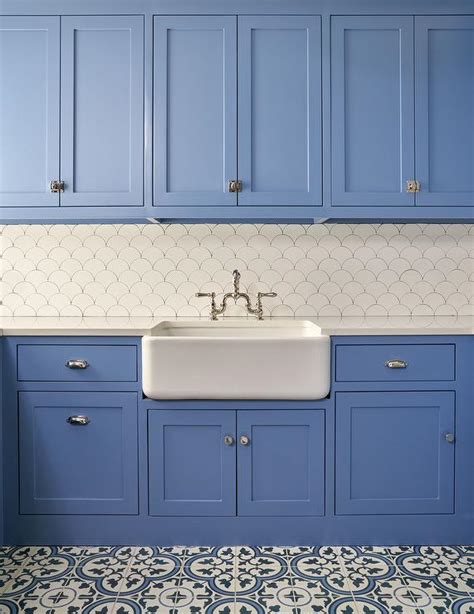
x=78 y=469
x=105 y=363
x=367 y=363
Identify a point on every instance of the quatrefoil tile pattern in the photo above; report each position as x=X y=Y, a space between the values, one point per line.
x=317 y=270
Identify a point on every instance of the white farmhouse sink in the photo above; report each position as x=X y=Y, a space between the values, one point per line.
x=236 y=360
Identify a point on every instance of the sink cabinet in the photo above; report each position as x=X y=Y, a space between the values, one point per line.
x=385 y=458
x=245 y=463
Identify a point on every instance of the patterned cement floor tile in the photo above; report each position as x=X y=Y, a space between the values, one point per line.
x=176 y=595
x=294 y=595
x=69 y=594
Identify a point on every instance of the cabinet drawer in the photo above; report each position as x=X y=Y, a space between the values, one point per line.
x=395 y=363
x=78 y=453
x=101 y=363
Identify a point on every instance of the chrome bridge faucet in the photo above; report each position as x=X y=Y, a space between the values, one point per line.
x=236 y=294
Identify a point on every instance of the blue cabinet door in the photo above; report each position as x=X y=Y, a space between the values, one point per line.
x=191 y=469
x=29 y=111
x=280 y=110
x=372 y=116
x=392 y=456
x=70 y=467
x=444 y=110
x=195 y=110
x=102 y=65
x=281 y=464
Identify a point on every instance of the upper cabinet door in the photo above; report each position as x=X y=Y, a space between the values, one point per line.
x=372 y=116
x=280 y=110
x=445 y=110
x=29 y=110
x=102 y=110
x=195 y=115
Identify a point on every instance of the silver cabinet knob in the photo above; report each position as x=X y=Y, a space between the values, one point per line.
x=77 y=363
x=228 y=440
x=449 y=437
x=244 y=440
x=78 y=420
x=56 y=186
x=396 y=363
x=234 y=185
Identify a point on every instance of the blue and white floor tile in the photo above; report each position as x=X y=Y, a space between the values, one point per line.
x=237 y=580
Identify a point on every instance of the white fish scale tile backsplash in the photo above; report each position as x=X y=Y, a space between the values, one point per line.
x=331 y=269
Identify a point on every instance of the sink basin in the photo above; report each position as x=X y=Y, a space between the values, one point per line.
x=236 y=360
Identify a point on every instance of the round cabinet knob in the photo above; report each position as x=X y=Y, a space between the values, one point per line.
x=449 y=437
x=228 y=440
x=244 y=440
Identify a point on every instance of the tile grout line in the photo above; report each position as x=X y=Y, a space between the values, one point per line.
x=130 y=563
x=342 y=566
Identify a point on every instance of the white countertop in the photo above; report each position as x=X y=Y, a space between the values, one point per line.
x=330 y=325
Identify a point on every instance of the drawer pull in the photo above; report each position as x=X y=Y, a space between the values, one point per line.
x=77 y=363
x=396 y=363
x=78 y=420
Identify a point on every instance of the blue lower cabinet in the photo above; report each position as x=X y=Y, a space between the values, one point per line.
x=78 y=453
x=281 y=463
x=395 y=452
x=192 y=457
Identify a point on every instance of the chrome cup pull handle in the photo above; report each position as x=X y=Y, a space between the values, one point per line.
x=396 y=363
x=78 y=420
x=77 y=363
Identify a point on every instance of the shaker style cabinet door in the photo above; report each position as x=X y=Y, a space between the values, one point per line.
x=195 y=110
x=102 y=62
x=29 y=111
x=191 y=463
x=444 y=107
x=281 y=460
x=280 y=144
x=395 y=452
x=78 y=453
x=372 y=116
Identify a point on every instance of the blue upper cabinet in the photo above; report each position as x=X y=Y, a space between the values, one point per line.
x=279 y=59
x=195 y=110
x=29 y=110
x=372 y=115
x=444 y=82
x=102 y=110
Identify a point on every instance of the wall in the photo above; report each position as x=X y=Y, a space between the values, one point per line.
x=332 y=269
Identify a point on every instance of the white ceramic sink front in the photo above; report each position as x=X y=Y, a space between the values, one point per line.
x=236 y=360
